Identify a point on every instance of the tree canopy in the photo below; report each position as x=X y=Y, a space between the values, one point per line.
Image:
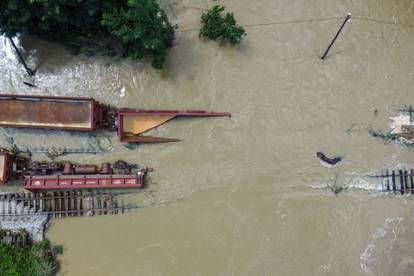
x=141 y=26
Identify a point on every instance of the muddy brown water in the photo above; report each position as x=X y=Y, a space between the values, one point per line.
x=246 y=195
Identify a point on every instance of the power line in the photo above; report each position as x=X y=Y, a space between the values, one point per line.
x=274 y=23
x=383 y=22
x=309 y=21
x=292 y=22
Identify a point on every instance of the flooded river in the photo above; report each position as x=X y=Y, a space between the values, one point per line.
x=246 y=195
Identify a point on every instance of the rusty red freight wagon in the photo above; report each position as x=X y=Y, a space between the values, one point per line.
x=85 y=114
x=95 y=181
x=67 y=176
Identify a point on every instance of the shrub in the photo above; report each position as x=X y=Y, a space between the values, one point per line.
x=38 y=260
x=219 y=27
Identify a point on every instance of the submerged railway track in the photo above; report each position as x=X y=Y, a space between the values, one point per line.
x=399 y=181
x=61 y=204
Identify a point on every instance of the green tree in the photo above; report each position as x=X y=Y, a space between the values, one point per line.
x=141 y=26
x=51 y=19
x=143 y=29
x=219 y=27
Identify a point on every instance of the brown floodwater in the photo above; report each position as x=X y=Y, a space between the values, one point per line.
x=246 y=195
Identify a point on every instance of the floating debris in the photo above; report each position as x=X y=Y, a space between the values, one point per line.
x=29 y=84
x=329 y=161
x=131 y=146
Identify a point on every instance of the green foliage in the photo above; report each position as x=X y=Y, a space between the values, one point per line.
x=51 y=19
x=140 y=26
x=38 y=260
x=219 y=27
x=143 y=28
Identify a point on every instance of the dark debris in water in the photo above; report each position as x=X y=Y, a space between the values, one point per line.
x=131 y=146
x=328 y=160
x=335 y=187
x=350 y=129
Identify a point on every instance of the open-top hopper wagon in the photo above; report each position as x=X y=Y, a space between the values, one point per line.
x=85 y=114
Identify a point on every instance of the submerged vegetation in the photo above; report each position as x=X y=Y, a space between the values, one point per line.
x=140 y=27
x=221 y=28
x=390 y=137
x=40 y=259
x=387 y=137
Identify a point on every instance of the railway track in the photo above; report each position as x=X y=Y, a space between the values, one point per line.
x=397 y=181
x=61 y=204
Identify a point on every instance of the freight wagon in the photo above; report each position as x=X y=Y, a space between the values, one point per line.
x=85 y=114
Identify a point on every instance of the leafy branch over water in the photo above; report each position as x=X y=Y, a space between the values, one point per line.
x=219 y=27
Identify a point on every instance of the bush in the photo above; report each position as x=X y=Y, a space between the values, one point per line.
x=38 y=260
x=140 y=26
x=219 y=27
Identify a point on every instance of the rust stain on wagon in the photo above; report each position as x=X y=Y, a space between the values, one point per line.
x=2 y=167
x=48 y=113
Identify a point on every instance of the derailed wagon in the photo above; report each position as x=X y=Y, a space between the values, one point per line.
x=66 y=176
x=85 y=114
